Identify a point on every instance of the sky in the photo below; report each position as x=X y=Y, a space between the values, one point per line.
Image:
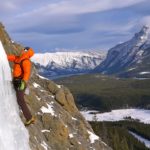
x=70 y=25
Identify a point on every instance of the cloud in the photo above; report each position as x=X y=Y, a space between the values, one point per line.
x=11 y=8
x=72 y=23
x=7 y=8
x=51 y=25
x=59 y=15
x=88 y=6
x=79 y=7
x=145 y=21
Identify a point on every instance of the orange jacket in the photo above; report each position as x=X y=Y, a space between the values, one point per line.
x=24 y=62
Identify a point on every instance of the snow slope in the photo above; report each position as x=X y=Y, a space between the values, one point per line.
x=116 y=115
x=67 y=62
x=141 y=139
x=13 y=134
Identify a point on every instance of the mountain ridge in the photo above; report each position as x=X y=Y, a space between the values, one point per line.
x=62 y=63
x=122 y=58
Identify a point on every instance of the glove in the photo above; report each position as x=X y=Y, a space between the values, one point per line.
x=22 y=85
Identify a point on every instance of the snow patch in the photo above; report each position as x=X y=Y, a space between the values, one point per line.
x=45 y=131
x=131 y=69
x=92 y=137
x=140 y=52
x=12 y=41
x=36 y=85
x=104 y=143
x=44 y=145
x=51 y=102
x=38 y=98
x=59 y=86
x=52 y=96
x=39 y=113
x=42 y=90
x=35 y=138
x=49 y=109
x=71 y=135
x=74 y=119
x=79 y=143
x=41 y=77
x=141 y=139
x=142 y=73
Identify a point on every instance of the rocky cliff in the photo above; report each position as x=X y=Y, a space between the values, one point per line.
x=59 y=125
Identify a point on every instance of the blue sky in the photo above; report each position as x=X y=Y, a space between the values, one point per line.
x=59 y=25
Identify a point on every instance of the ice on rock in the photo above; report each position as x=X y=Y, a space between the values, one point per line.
x=5 y=74
x=13 y=134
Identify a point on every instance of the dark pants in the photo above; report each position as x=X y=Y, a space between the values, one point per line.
x=20 y=99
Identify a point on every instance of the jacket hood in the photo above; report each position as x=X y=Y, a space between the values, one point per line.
x=27 y=54
x=30 y=52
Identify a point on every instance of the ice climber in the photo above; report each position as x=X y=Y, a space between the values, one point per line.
x=21 y=75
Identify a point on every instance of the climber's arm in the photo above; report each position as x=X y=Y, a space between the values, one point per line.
x=11 y=57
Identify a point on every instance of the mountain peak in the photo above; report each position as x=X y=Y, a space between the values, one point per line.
x=145 y=31
x=130 y=53
x=143 y=34
x=145 y=28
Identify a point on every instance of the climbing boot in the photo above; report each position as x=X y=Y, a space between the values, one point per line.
x=31 y=121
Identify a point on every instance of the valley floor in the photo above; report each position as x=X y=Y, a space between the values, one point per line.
x=126 y=125
x=141 y=115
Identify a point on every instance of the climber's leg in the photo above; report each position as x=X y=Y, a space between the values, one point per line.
x=22 y=104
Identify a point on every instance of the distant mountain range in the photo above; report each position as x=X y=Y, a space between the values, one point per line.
x=129 y=59
x=56 y=64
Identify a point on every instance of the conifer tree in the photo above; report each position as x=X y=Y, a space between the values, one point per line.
x=124 y=144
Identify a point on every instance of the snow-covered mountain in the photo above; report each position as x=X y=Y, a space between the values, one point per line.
x=64 y=63
x=131 y=58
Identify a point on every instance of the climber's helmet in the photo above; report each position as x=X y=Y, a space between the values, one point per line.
x=26 y=49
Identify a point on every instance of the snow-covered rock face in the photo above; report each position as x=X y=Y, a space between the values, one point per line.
x=13 y=134
x=132 y=52
x=67 y=62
